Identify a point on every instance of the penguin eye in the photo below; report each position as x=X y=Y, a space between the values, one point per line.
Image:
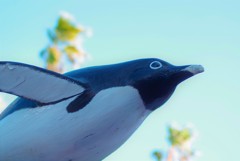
x=155 y=65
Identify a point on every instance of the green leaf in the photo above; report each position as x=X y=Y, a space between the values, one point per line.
x=66 y=30
x=53 y=55
x=43 y=52
x=158 y=155
x=51 y=36
x=178 y=137
x=71 y=50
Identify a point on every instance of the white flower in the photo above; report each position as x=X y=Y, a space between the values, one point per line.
x=79 y=60
x=80 y=27
x=67 y=16
x=190 y=125
x=197 y=154
x=175 y=125
x=89 y=32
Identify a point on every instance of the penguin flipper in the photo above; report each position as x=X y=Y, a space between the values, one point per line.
x=37 y=84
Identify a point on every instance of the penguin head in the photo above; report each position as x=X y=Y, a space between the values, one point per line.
x=156 y=79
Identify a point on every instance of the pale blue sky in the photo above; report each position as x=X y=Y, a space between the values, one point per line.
x=181 y=32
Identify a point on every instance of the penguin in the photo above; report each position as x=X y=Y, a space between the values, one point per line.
x=83 y=115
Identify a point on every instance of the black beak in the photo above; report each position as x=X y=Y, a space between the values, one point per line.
x=184 y=72
x=194 y=69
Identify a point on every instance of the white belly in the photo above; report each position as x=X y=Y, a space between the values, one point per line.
x=50 y=133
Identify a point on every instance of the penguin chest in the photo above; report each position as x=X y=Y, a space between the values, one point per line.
x=111 y=117
x=90 y=134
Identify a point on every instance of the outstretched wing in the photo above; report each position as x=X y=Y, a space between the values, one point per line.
x=37 y=84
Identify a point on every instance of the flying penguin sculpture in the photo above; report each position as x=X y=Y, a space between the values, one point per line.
x=83 y=115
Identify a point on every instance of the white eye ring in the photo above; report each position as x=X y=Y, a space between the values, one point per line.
x=155 y=65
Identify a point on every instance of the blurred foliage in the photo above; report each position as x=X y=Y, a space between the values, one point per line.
x=66 y=30
x=54 y=55
x=158 y=155
x=178 y=137
x=71 y=51
x=65 y=42
x=180 y=149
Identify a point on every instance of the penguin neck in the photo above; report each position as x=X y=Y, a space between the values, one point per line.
x=154 y=94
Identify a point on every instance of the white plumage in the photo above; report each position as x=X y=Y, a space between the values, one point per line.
x=86 y=135
x=82 y=115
